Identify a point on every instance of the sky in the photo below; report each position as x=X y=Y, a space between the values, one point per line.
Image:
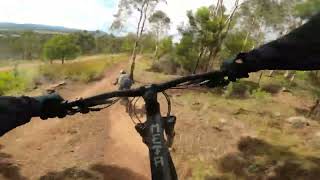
x=86 y=14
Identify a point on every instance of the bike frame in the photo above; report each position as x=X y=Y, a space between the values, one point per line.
x=152 y=132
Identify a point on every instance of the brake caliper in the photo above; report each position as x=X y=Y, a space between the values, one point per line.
x=169 y=123
x=141 y=128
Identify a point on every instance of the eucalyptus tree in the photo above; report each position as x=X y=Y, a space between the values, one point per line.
x=134 y=8
x=160 y=23
x=306 y=9
x=209 y=26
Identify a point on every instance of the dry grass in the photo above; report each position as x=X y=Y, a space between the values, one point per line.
x=84 y=69
x=222 y=138
x=19 y=79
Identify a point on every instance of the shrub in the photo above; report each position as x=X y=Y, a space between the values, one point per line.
x=165 y=64
x=271 y=88
x=84 y=71
x=241 y=89
x=303 y=75
x=260 y=94
x=11 y=83
x=313 y=76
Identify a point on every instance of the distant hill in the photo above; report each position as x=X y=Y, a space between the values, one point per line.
x=35 y=27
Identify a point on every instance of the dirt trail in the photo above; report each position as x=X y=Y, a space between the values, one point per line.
x=103 y=144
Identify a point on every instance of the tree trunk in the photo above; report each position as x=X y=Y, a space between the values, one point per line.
x=209 y=59
x=143 y=16
x=260 y=78
x=62 y=60
x=315 y=110
x=286 y=74
x=292 y=78
x=198 y=60
x=155 y=53
x=133 y=59
x=222 y=36
x=271 y=73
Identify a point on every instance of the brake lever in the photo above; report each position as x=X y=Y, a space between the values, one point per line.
x=82 y=108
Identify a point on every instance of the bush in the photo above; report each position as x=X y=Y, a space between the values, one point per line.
x=11 y=83
x=241 y=89
x=84 y=71
x=271 y=88
x=165 y=64
x=303 y=75
x=260 y=94
x=313 y=76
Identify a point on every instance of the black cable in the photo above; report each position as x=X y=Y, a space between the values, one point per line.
x=134 y=110
x=130 y=110
x=168 y=101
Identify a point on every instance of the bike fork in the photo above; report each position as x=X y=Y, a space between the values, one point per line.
x=152 y=132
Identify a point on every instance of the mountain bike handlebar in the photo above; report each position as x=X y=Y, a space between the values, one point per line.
x=157 y=132
x=215 y=78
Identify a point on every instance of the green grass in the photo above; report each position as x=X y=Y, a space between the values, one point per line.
x=17 y=80
x=9 y=82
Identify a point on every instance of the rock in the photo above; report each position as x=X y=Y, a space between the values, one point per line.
x=298 y=122
x=284 y=89
x=241 y=111
x=196 y=104
x=53 y=87
x=296 y=119
x=277 y=114
x=317 y=134
x=222 y=121
x=50 y=91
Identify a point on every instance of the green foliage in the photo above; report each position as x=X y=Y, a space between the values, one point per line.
x=16 y=81
x=165 y=47
x=9 y=82
x=202 y=38
x=275 y=16
x=109 y=44
x=147 y=43
x=260 y=94
x=241 y=89
x=306 y=9
x=237 y=42
x=61 y=47
x=166 y=64
x=160 y=23
x=313 y=77
x=85 y=41
x=186 y=52
x=303 y=75
x=128 y=42
x=159 y=17
x=206 y=26
x=126 y=8
x=25 y=45
x=29 y=43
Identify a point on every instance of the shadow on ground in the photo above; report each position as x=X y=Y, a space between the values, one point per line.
x=259 y=160
x=95 y=172
x=8 y=168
